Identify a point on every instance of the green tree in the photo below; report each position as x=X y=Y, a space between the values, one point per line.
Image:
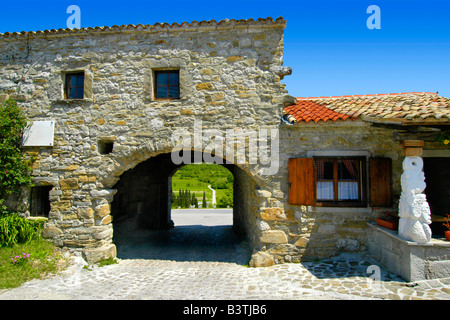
x=187 y=198
x=194 y=201
x=204 y=200
x=226 y=200
x=15 y=168
x=174 y=200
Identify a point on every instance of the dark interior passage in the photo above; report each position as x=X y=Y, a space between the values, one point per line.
x=142 y=194
x=437 y=178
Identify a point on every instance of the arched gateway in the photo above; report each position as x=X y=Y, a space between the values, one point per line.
x=144 y=193
x=143 y=196
x=139 y=185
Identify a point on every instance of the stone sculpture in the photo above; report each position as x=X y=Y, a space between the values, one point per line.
x=414 y=211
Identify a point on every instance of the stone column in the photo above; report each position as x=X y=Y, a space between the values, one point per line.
x=414 y=211
x=102 y=230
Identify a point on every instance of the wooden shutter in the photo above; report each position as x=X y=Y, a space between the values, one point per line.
x=302 y=188
x=380 y=170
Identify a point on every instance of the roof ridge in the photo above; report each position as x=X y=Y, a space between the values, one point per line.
x=367 y=95
x=158 y=25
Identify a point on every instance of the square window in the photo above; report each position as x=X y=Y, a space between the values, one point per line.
x=105 y=147
x=167 y=84
x=40 y=201
x=74 y=88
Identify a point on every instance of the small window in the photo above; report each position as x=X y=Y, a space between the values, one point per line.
x=105 y=147
x=40 y=201
x=74 y=88
x=340 y=181
x=167 y=84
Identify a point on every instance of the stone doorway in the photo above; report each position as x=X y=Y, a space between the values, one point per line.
x=437 y=178
x=144 y=228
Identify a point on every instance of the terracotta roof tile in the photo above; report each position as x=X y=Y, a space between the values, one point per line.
x=155 y=27
x=306 y=110
x=412 y=107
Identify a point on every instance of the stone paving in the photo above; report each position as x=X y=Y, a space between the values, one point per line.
x=341 y=278
x=194 y=270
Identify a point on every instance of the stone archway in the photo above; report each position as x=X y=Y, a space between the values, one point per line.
x=142 y=195
x=251 y=193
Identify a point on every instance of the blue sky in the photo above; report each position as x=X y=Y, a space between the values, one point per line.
x=327 y=43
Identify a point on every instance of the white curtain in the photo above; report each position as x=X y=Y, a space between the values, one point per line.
x=325 y=191
x=348 y=170
x=348 y=191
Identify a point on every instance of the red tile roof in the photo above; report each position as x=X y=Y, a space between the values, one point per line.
x=409 y=107
x=307 y=110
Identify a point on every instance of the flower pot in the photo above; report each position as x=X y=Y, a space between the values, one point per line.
x=447 y=235
x=388 y=224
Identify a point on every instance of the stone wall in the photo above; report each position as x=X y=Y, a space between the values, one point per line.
x=319 y=232
x=230 y=76
x=408 y=259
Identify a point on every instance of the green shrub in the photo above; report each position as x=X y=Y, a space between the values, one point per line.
x=226 y=200
x=16 y=230
x=15 y=167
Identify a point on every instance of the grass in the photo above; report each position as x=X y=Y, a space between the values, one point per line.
x=44 y=259
x=197 y=187
x=107 y=262
x=197 y=178
x=191 y=184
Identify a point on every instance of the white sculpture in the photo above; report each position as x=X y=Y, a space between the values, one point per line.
x=414 y=211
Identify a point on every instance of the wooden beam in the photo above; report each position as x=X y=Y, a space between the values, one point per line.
x=412 y=143
x=412 y=148
x=425 y=136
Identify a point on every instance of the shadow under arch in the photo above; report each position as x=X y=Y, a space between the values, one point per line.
x=143 y=228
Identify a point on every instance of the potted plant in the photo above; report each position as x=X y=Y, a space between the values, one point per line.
x=444 y=138
x=388 y=220
x=447 y=225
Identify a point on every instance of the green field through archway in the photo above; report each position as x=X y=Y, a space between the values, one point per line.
x=193 y=185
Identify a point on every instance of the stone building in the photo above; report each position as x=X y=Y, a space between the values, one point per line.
x=106 y=103
x=109 y=105
x=345 y=159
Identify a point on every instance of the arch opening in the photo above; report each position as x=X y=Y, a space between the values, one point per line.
x=202 y=194
x=149 y=223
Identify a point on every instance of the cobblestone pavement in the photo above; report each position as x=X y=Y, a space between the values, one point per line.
x=339 y=278
x=209 y=264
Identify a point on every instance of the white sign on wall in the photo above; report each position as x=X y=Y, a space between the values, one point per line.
x=39 y=134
